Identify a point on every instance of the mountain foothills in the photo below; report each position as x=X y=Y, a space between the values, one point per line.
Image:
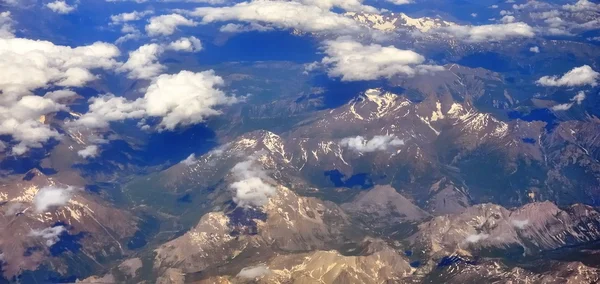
x=300 y=141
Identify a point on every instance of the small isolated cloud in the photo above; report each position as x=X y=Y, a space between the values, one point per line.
x=52 y=196
x=165 y=25
x=476 y=238
x=61 y=7
x=189 y=44
x=282 y=15
x=353 y=61
x=577 y=99
x=253 y=272
x=521 y=224
x=90 y=151
x=251 y=187
x=51 y=235
x=487 y=33
x=578 y=76
x=377 y=143
x=534 y=49
x=129 y=17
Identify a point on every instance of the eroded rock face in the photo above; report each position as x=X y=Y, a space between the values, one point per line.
x=288 y=223
x=29 y=237
x=492 y=228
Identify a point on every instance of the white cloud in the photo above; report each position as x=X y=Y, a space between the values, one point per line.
x=20 y=119
x=582 y=5
x=60 y=94
x=143 y=62
x=90 y=151
x=521 y=224
x=31 y=64
x=61 y=7
x=128 y=17
x=52 y=196
x=280 y=14
x=377 y=143
x=185 y=98
x=180 y=99
x=534 y=49
x=354 y=61
x=237 y=28
x=578 y=76
x=507 y=19
x=486 y=33
x=106 y=108
x=6 y=25
x=400 y=2
x=577 y=99
x=347 y=5
x=251 y=188
x=190 y=160
x=476 y=238
x=51 y=235
x=189 y=44
x=253 y=272
x=165 y=25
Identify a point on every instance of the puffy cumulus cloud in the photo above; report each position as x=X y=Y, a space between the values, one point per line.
x=6 y=25
x=180 y=99
x=251 y=187
x=476 y=238
x=582 y=5
x=165 y=25
x=51 y=197
x=578 y=76
x=30 y=64
x=185 y=98
x=189 y=44
x=253 y=272
x=90 y=151
x=61 y=7
x=128 y=17
x=353 y=61
x=60 y=94
x=280 y=14
x=143 y=62
x=486 y=33
x=377 y=143
x=50 y=235
x=21 y=120
x=106 y=108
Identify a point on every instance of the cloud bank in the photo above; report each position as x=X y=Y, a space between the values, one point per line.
x=353 y=61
